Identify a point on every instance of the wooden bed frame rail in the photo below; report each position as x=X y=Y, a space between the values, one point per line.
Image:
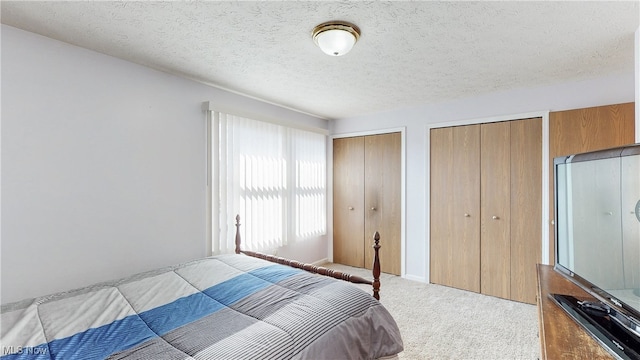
x=319 y=269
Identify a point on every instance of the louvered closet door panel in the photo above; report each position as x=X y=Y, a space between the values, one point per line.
x=455 y=207
x=348 y=201
x=526 y=207
x=382 y=199
x=495 y=262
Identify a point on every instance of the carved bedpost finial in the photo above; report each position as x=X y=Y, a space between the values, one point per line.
x=237 y=234
x=376 y=266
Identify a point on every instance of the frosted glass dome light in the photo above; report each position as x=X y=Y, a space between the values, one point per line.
x=336 y=38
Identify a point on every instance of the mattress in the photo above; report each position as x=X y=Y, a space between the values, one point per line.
x=221 y=307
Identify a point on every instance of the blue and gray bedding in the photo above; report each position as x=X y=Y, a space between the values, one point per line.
x=222 y=307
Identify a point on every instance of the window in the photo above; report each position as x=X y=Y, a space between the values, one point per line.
x=273 y=176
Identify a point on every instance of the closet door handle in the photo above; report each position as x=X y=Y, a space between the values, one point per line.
x=467 y=215
x=373 y=208
x=350 y=208
x=494 y=217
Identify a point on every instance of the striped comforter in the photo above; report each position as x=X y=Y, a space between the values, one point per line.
x=222 y=307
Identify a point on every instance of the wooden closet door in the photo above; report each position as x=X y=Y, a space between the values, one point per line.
x=382 y=159
x=526 y=207
x=455 y=207
x=582 y=130
x=495 y=235
x=348 y=201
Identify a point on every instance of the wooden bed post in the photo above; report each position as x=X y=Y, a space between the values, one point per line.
x=319 y=269
x=238 y=234
x=376 y=266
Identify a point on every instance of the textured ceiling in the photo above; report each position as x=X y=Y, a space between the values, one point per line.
x=410 y=53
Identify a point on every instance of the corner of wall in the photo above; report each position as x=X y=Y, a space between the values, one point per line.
x=637 y=62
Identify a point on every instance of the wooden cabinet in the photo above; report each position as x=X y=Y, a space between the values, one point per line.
x=560 y=336
x=485 y=207
x=366 y=199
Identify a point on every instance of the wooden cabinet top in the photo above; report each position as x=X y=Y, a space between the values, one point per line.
x=560 y=336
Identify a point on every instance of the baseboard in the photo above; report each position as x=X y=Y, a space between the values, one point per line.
x=415 y=278
x=320 y=262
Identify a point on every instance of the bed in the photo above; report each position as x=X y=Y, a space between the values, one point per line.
x=221 y=307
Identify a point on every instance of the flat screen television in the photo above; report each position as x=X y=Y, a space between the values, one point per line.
x=597 y=242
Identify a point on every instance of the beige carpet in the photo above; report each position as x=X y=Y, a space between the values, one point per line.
x=438 y=322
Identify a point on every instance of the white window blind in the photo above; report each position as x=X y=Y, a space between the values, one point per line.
x=273 y=176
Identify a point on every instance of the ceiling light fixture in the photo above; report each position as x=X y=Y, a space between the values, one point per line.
x=336 y=38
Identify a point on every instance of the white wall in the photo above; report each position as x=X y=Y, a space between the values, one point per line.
x=637 y=57
x=103 y=166
x=599 y=91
